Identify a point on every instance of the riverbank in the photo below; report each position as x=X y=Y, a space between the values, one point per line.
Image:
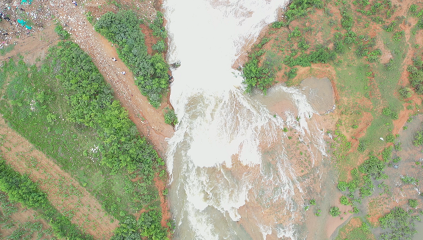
x=365 y=50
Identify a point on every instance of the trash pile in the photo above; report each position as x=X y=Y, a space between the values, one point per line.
x=20 y=18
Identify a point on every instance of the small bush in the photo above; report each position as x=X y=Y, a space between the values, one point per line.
x=413 y=203
x=342 y=186
x=405 y=92
x=390 y=137
x=418 y=138
x=334 y=211
x=344 y=201
x=409 y=180
x=159 y=46
x=63 y=34
x=171 y=118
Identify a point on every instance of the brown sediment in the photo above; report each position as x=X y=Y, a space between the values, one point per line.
x=150 y=40
x=19 y=153
x=164 y=204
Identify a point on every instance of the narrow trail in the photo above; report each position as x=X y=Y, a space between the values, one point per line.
x=149 y=121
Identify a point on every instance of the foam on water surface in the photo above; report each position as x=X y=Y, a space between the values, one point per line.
x=227 y=159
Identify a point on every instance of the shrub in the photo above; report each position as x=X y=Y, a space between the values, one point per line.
x=413 y=9
x=334 y=211
x=347 y=20
x=390 y=137
x=386 y=111
x=299 y=8
x=312 y=202
x=413 y=203
x=398 y=36
x=342 y=186
x=63 y=34
x=171 y=118
x=157 y=26
x=372 y=166
x=387 y=152
x=344 y=201
x=254 y=75
x=405 y=92
x=409 y=180
x=159 y=46
x=361 y=146
x=292 y=73
x=418 y=138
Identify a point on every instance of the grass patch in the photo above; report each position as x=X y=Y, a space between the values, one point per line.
x=7 y=49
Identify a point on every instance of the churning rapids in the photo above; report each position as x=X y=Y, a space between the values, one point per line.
x=233 y=175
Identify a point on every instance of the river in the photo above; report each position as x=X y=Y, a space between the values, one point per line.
x=234 y=172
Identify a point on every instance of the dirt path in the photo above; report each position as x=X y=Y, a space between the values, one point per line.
x=63 y=191
x=149 y=121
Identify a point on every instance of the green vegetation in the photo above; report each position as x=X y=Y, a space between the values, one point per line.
x=63 y=34
x=357 y=233
x=416 y=75
x=159 y=46
x=150 y=71
x=409 y=180
x=399 y=224
x=418 y=138
x=312 y=202
x=373 y=166
x=334 y=211
x=20 y=188
x=170 y=117
x=344 y=201
x=24 y=229
x=68 y=102
x=157 y=26
x=413 y=203
x=7 y=49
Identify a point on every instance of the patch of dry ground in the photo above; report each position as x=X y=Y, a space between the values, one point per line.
x=63 y=191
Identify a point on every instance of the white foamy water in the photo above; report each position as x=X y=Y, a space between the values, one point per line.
x=227 y=159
